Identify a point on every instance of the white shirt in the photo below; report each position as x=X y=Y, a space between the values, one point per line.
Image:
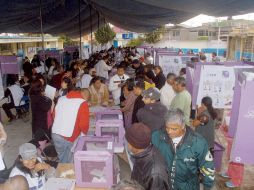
x=85 y=81
x=102 y=69
x=167 y=95
x=2 y=166
x=35 y=182
x=176 y=141
x=114 y=88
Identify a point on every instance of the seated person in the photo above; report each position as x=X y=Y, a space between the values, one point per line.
x=14 y=94
x=29 y=165
x=99 y=94
x=25 y=85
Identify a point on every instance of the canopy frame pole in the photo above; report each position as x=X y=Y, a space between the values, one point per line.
x=42 y=34
x=80 y=35
x=91 y=28
x=98 y=14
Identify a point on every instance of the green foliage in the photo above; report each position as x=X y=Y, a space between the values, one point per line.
x=135 y=42
x=104 y=34
x=155 y=36
x=203 y=38
x=66 y=40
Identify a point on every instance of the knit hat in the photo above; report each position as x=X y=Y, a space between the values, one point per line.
x=138 y=135
x=152 y=93
x=27 y=151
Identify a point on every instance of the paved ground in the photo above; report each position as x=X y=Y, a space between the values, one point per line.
x=20 y=132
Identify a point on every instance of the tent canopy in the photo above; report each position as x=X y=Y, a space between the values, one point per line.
x=62 y=16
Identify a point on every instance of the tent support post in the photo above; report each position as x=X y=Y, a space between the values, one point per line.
x=42 y=34
x=91 y=28
x=80 y=35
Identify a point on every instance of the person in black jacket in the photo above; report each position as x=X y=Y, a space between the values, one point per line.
x=152 y=114
x=159 y=79
x=138 y=88
x=150 y=169
x=40 y=105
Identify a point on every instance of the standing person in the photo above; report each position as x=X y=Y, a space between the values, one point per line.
x=116 y=83
x=99 y=94
x=148 y=59
x=182 y=73
x=139 y=87
x=27 y=68
x=86 y=78
x=215 y=58
x=102 y=68
x=40 y=105
x=182 y=100
x=152 y=114
x=14 y=94
x=139 y=68
x=66 y=86
x=128 y=104
x=204 y=123
x=167 y=91
x=149 y=77
x=150 y=169
x=185 y=152
x=71 y=119
x=159 y=79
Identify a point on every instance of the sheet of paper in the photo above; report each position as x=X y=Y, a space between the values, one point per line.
x=2 y=166
x=50 y=92
x=59 y=184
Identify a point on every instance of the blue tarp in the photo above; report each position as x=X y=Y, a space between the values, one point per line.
x=62 y=16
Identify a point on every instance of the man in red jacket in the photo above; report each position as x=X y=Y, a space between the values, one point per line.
x=71 y=119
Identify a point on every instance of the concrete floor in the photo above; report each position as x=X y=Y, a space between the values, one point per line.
x=20 y=132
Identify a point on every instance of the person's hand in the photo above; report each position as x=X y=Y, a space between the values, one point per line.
x=41 y=166
x=196 y=123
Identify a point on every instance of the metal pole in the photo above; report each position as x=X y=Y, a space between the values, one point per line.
x=91 y=28
x=42 y=34
x=80 y=35
x=98 y=19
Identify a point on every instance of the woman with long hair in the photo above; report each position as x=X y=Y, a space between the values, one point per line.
x=204 y=123
x=29 y=165
x=40 y=105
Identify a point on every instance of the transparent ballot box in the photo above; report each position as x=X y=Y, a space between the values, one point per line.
x=110 y=114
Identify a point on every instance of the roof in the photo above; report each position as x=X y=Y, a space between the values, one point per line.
x=62 y=16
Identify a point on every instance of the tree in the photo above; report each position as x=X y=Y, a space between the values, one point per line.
x=135 y=42
x=155 y=36
x=104 y=34
x=66 y=40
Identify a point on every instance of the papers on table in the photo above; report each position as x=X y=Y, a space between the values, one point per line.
x=60 y=184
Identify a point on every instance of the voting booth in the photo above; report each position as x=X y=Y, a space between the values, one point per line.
x=242 y=129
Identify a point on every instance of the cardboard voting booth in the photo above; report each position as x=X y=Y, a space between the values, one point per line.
x=242 y=149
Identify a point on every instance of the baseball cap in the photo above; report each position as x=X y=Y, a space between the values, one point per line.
x=28 y=151
x=152 y=93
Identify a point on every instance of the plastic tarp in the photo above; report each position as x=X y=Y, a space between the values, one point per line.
x=62 y=16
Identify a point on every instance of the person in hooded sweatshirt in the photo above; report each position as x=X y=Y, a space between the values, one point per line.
x=152 y=114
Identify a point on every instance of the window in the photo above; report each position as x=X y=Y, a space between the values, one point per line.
x=5 y=47
x=202 y=33
x=176 y=33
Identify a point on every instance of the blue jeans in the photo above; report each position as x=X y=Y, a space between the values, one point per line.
x=63 y=148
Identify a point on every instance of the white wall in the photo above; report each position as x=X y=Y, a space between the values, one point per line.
x=190 y=44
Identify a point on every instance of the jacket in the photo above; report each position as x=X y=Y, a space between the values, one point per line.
x=192 y=154
x=114 y=88
x=100 y=97
x=152 y=115
x=81 y=123
x=159 y=80
x=137 y=105
x=150 y=170
x=128 y=109
x=40 y=105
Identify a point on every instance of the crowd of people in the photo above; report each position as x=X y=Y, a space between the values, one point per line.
x=169 y=149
